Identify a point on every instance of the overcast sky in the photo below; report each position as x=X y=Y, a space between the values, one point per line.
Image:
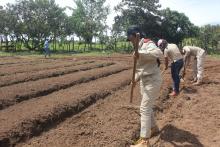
x=200 y=12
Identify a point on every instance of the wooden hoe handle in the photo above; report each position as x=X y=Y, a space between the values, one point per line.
x=134 y=66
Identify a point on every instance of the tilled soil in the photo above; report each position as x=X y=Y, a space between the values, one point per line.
x=36 y=66
x=27 y=90
x=58 y=102
x=46 y=73
x=110 y=122
x=193 y=119
x=54 y=107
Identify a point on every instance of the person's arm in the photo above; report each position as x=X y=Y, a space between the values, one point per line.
x=186 y=60
x=151 y=52
x=166 y=62
x=137 y=76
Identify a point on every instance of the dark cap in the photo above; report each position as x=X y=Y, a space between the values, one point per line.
x=132 y=30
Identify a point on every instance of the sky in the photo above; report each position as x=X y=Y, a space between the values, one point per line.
x=200 y=12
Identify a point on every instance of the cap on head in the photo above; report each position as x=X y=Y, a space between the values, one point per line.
x=132 y=30
x=159 y=42
x=162 y=42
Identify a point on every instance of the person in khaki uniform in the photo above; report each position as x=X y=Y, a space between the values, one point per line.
x=172 y=53
x=149 y=75
x=199 y=56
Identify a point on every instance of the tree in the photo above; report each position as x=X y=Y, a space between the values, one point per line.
x=3 y=25
x=209 y=37
x=176 y=26
x=140 y=12
x=7 y=24
x=89 y=18
x=35 y=20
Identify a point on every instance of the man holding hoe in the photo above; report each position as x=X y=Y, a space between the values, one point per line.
x=148 y=73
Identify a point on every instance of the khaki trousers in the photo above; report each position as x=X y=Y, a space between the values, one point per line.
x=198 y=66
x=150 y=89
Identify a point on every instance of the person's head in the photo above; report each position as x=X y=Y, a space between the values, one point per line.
x=162 y=44
x=132 y=32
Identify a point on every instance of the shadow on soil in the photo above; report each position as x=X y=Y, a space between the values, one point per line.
x=189 y=90
x=173 y=135
x=211 y=82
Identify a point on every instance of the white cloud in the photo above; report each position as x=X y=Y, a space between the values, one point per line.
x=200 y=12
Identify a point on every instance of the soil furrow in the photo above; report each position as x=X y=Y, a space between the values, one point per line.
x=21 y=121
x=112 y=122
x=13 y=94
x=33 y=76
x=43 y=66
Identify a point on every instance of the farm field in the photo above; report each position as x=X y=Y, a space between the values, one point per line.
x=84 y=102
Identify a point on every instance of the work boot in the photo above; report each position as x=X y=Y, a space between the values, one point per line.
x=173 y=93
x=142 y=143
x=154 y=131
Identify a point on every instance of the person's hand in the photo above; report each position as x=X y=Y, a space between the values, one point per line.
x=135 y=55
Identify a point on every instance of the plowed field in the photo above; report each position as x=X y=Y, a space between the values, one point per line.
x=84 y=102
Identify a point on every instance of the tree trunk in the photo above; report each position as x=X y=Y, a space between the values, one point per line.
x=73 y=44
x=55 y=43
x=85 y=47
x=1 y=42
x=6 y=39
x=115 y=44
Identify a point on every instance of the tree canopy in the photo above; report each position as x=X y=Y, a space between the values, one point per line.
x=32 y=21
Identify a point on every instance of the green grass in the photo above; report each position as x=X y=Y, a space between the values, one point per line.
x=62 y=50
x=217 y=56
x=56 y=54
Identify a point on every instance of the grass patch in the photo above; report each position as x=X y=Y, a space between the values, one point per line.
x=58 y=54
x=216 y=56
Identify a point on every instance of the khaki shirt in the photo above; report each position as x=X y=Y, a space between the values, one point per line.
x=193 y=51
x=147 y=61
x=172 y=52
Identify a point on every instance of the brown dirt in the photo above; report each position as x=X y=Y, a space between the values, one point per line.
x=90 y=107
x=193 y=120
x=32 y=89
x=36 y=66
x=10 y=60
x=46 y=73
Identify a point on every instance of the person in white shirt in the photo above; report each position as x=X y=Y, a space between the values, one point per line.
x=199 y=57
x=172 y=53
x=46 y=48
x=149 y=75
